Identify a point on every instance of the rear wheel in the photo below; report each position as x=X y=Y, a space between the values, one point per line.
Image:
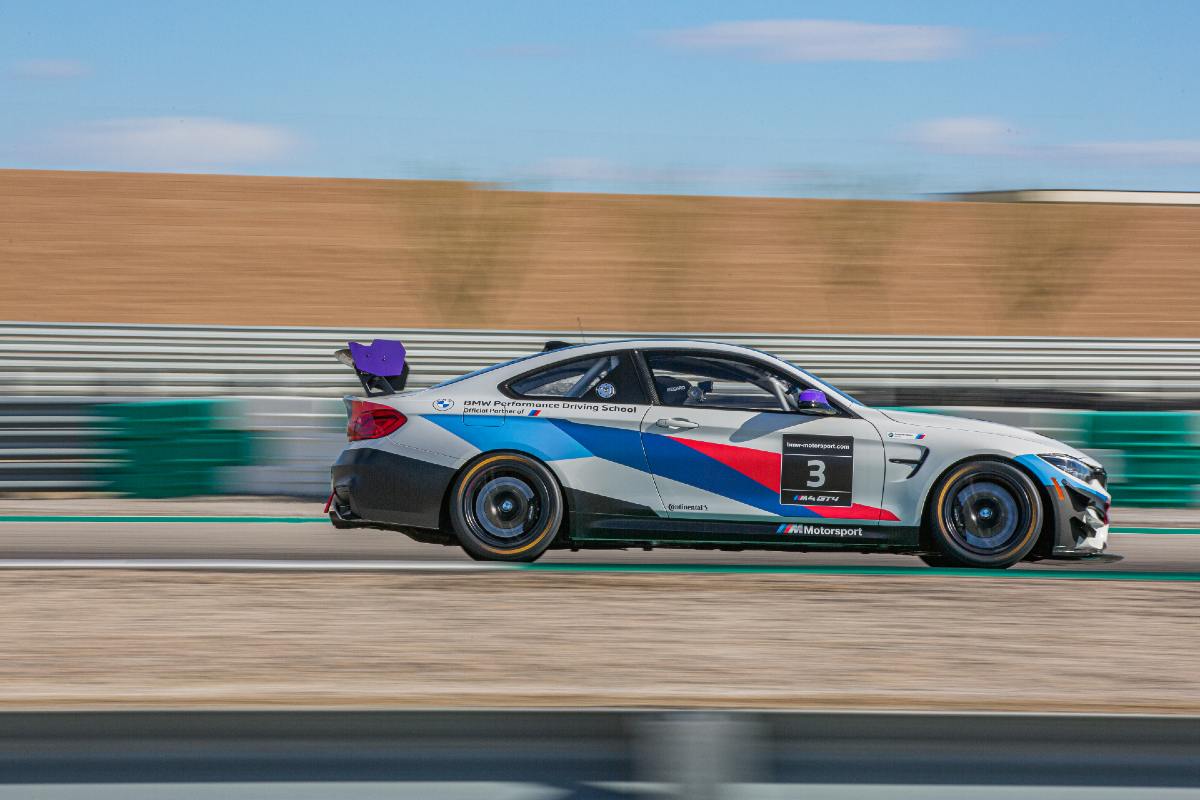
x=506 y=507
x=983 y=514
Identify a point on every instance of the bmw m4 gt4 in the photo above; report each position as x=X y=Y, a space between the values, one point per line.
x=681 y=443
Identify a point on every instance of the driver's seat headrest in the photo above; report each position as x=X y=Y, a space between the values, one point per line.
x=671 y=391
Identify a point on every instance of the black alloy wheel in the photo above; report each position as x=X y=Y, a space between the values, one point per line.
x=983 y=514
x=506 y=507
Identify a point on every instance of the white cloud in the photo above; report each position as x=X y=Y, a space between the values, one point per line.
x=1154 y=151
x=823 y=40
x=988 y=136
x=184 y=143
x=582 y=168
x=967 y=136
x=50 y=69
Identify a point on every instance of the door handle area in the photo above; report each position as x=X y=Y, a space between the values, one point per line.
x=677 y=423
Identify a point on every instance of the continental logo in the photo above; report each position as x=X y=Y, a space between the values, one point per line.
x=821 y=530
x=686 y=507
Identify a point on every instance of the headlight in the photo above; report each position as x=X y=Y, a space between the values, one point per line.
x=1070 y=465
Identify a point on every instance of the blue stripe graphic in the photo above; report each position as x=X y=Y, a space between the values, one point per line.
x=1045 y=472
x=559 y=439
x=530 y=435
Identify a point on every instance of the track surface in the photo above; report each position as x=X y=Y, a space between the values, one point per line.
x=1170 y=553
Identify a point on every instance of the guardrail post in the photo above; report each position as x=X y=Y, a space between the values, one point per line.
x=697 y=755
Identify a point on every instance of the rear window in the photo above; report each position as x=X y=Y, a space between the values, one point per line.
x=484 y=370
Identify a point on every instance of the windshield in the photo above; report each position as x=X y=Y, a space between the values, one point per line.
x=849 y=398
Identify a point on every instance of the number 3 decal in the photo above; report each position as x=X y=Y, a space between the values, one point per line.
x=816 y=474
x=816 y=470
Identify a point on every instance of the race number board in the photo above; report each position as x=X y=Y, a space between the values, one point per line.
x=817 y=470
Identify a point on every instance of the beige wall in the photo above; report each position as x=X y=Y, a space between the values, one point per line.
x=110 y=247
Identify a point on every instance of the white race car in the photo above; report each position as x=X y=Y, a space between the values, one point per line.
x=682 y=443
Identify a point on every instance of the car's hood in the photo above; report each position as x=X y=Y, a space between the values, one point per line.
x=944 y=422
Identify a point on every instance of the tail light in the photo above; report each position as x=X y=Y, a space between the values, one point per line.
x=372 y=421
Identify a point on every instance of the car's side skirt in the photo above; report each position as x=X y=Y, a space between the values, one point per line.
x=604 y=521
x=784 y=536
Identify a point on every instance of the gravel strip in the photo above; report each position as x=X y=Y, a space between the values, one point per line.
x=86 y=639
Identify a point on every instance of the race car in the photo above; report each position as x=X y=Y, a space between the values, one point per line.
x=696 y=444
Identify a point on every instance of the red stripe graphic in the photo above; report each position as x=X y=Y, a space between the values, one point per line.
x=757 y=465
x=856 y=511
x=765 y=467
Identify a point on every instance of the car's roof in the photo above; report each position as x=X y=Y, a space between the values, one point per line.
x=581 y=350
x=652 y=344
x=536 y=360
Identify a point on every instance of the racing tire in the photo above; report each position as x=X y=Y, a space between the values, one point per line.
x=506 y=507
x=985 y=514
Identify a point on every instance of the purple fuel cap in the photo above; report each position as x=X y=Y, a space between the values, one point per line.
x=380 y=357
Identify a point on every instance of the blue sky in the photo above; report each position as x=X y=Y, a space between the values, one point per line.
x=860 y=99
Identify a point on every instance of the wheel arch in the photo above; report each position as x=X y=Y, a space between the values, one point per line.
x=1045 y=540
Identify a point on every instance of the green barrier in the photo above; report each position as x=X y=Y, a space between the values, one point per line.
x=172 y=448
x=1159 y=461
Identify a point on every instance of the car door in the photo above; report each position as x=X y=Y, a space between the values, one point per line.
x=721 y=445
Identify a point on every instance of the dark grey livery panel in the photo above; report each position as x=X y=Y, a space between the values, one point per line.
x=378 y=486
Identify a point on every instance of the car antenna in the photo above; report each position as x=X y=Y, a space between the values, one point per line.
x=579 y=320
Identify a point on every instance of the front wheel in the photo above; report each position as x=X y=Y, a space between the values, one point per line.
x=984 y=514
x=506 y=507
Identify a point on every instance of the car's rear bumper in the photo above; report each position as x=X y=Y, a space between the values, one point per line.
x=376 y=486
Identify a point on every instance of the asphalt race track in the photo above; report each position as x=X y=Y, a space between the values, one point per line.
x=54 y=538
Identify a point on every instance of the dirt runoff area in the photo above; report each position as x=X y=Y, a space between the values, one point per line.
x=581 y=639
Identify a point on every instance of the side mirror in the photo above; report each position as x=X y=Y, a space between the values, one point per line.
x=814 y=401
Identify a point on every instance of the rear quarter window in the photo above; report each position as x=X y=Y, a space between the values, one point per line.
x=608 y=378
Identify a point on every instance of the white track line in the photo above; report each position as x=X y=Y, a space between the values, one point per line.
x=246 y=565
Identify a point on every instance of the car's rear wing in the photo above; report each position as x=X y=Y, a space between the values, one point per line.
x=381 y=366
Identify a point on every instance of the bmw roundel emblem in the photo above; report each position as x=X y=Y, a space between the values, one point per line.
x=606 y=390
x=445 y=404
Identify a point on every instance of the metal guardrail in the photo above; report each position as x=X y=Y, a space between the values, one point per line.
x=546 y=754
x=285 y=383
x=176 y=360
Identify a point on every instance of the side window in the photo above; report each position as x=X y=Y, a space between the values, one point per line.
x=610 y=378
x=698 y=379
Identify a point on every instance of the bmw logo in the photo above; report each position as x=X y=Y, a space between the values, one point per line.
x=606 y=390
x=445 y=404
